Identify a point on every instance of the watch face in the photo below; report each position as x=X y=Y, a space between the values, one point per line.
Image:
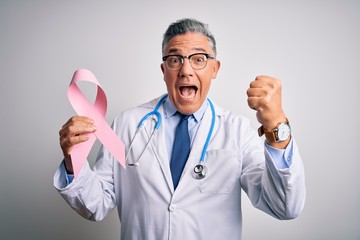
x=283 y=132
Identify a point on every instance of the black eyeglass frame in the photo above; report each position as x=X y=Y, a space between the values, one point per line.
x=207 y=55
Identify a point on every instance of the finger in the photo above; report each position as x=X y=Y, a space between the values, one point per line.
x=77 y=139
x=262 y=77
x=76 y=130
x=81 y=129
x=259 y=103
x=267 y=81
x=265 y=89
x=256 y=84
x=82 y=119
x=253 y=103
x=255 y=96
x=73 y=135
x=255 y=92
x=79 y=119
x=67 y=143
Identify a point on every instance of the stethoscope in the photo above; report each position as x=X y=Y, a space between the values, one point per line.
x=200 y=170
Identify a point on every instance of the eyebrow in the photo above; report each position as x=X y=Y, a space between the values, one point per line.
x=175 y=50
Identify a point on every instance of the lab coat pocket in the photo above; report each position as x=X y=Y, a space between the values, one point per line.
x=223 y=172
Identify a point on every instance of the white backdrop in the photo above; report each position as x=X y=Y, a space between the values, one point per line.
x=312 y=46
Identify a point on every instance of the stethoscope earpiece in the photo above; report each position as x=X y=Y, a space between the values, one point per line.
x=200 y=171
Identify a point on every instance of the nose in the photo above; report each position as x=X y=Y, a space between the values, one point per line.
x=186 y=69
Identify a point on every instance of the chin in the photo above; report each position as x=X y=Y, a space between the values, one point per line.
x=188 y=108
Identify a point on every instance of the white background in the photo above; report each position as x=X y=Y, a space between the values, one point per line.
x=312 y=46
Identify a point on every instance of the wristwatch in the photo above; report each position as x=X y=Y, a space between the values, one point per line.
x=279 y=134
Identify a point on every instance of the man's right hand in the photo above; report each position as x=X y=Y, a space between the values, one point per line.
x=72 y=133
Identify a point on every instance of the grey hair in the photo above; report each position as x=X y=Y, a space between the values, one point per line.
x=186 y=25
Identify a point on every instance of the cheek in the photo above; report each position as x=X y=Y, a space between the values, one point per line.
x=206 y=82
x=169 y=82
x=170 y=77
x=206 y=87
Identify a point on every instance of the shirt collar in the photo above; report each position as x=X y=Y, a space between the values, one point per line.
x=170 y=110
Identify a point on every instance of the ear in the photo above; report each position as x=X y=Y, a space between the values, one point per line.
x=215 y=69
x=162 y=68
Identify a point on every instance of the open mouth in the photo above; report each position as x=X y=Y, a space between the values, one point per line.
x=188 y=92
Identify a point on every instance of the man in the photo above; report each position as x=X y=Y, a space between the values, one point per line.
x=154 y=204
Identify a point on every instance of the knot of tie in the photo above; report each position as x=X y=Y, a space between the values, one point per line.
x=184 y=117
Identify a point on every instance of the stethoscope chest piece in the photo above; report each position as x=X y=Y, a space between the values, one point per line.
x=200 y=171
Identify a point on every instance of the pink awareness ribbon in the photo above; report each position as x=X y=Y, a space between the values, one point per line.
x=97 y=112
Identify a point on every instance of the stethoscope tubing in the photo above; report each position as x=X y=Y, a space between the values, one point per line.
x=202 y=158
x=200 y=170
x=157 y=125
x=154 y=112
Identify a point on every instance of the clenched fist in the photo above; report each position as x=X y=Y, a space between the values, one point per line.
x=264 y=96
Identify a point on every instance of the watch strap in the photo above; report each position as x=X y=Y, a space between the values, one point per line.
x=270 y=135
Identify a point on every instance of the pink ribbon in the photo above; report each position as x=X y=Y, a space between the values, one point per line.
x=97 y=112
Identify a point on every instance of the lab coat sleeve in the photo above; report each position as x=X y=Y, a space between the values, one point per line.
x=278 y=192
x=92 y=194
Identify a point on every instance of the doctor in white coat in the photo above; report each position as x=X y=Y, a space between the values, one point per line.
x=149 y=204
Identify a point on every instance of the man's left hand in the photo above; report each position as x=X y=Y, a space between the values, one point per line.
x=264 y=96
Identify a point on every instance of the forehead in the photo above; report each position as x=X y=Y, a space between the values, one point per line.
x=188 y=43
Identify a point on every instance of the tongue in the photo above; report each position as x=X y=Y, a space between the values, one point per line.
x=187 y=91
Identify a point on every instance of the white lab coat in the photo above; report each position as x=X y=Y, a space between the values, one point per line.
x=209 y=208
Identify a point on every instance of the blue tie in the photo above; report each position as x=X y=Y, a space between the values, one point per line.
x=181 y=149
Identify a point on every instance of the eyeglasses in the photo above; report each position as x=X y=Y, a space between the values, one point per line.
x=197 y=61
